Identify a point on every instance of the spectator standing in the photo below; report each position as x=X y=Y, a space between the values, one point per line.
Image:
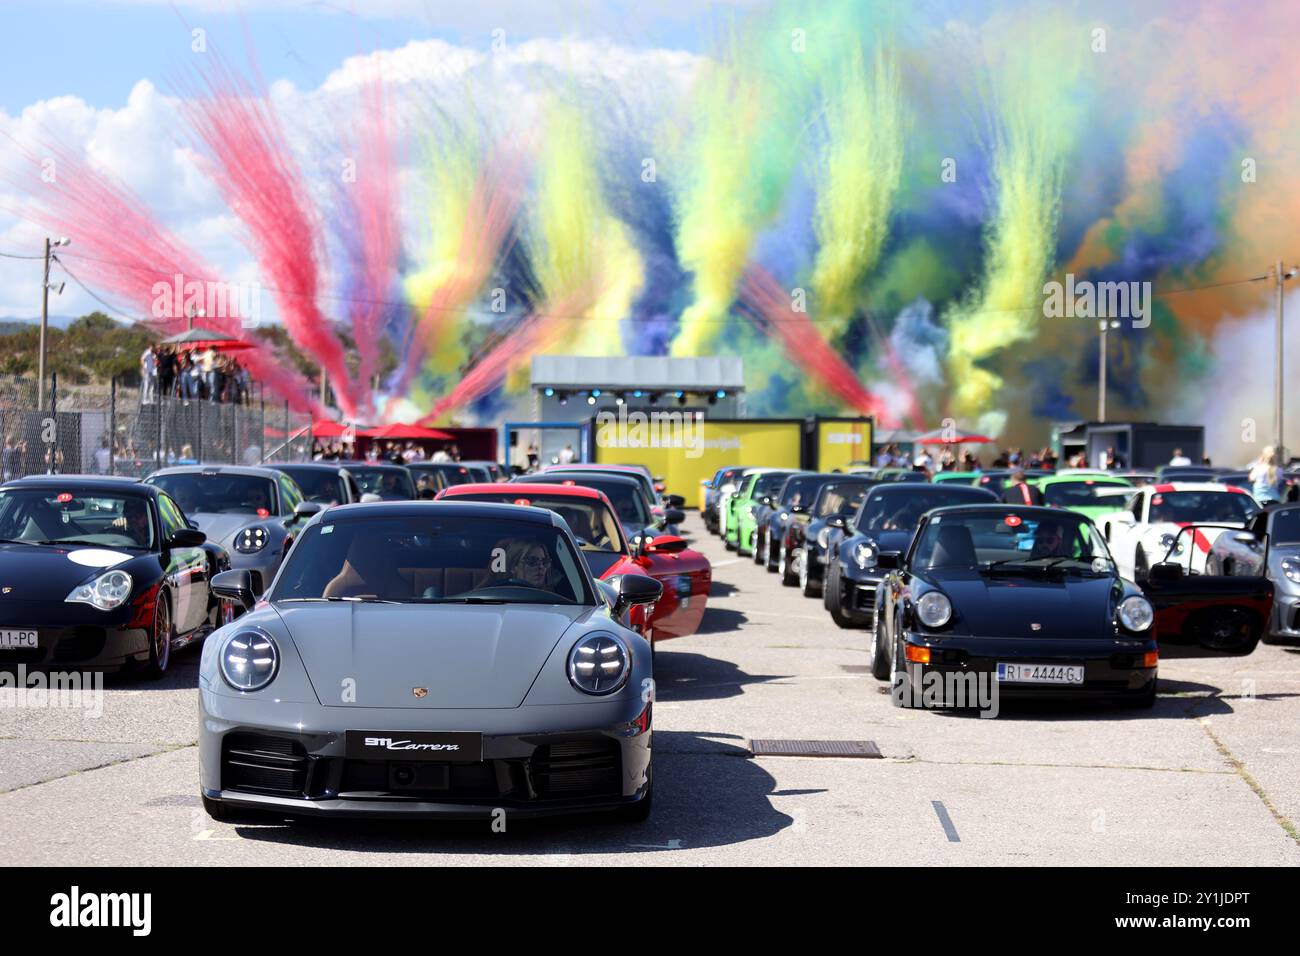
x=102 y=457
x=1019 y=492
x=149 y=375
x=11 y=459
x=1266 y=477
x=567 y=455
x=1179 y=460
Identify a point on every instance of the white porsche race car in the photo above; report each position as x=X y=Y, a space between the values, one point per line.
x=1149 y=525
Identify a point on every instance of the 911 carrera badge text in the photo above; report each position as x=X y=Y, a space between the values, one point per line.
x=388 y=743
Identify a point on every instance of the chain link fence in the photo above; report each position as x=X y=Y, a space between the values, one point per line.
x=108 y=430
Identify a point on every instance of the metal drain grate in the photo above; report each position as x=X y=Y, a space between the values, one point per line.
x=814 y=748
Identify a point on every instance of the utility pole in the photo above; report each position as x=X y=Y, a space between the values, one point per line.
x=1105 y=326
x=1278 y=444
x=45 y=318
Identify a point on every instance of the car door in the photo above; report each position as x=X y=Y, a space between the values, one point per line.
x=1207 y=615
x=186 y=569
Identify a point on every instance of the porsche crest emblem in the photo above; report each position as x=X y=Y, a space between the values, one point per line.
x=1035 y=626
x=5 y=590
x=420 y=691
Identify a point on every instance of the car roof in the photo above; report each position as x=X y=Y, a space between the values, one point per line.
x=943 y=487
x=330 y=466
x=1038 y=512
x=117 y=483
x=521 y=488
x=355 y=465
x=1167 y=486
x=416 y=509
x=581 y=476
x=1093 y=476
x=251 y=471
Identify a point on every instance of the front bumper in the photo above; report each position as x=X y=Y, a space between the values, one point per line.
x=76 y=635
x=573 y=759
x=858 y=598
x=1112 y=668
x=1285 y=621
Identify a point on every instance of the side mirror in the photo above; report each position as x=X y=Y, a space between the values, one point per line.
x=305 y=509
x=664 y=544
x=889 y=560
x=798 y=510
x=634 y=589
x=835 y=521
x=1246 y=537
x=675 y=501
x=242 y=586
x=674 y=516
x=186 y=538
x=1166 y=572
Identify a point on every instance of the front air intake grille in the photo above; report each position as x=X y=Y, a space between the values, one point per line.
x=579 y=768
x=263 y=764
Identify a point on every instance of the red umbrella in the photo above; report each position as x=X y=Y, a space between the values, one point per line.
x=398 y=430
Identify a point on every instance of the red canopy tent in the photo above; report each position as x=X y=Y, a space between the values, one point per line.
x=324 y=428
x=399 y=431
x=951 y=436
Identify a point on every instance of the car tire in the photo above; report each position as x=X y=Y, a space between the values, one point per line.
x=879 y=660
x=832 y=568
x=833 y=590
x=160 y=639
x=1146 y=700
x=810 y=587
x=898 y=694
x=760 y=549
x=728 y=544
x=768 y=560
x=789 y=578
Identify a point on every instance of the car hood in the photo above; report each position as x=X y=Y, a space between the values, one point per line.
x=466 y=656
x=31 y=572
x=222 y=527
x=1005 y=605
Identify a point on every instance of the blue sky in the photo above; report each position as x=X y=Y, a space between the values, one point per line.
x=98 y=51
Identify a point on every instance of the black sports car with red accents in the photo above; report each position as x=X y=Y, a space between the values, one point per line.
x=101 y=574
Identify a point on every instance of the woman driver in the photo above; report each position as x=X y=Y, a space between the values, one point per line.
x=528 y=561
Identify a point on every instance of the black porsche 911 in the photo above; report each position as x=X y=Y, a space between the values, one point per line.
x=885 y=521
x=101 y=574
x=1029 y=602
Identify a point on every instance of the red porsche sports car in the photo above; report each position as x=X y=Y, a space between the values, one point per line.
x=685 y=574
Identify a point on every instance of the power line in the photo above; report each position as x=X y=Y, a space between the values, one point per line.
x=86 y=289
x=13 y=255
x=804 y=318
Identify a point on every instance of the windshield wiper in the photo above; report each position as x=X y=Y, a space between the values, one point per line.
x=1024 y=562
x=353 y=600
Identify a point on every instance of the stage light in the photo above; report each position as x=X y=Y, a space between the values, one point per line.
x=722 y=393
x=679 y=394
x=591 y=399
x=595 y=392
x=618 y=400
x=637 y=393
x=548 y=392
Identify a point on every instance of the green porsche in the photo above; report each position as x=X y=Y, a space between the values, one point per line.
x=1079 y=492
x=754 y=494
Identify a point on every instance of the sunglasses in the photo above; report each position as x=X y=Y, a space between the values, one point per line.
x=536 y=562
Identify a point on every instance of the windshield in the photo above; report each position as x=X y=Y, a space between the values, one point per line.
x=319 y=485
x=390 y=484
x=433 y=559
x=769 y=484
x=625 y=496
x=1180 y=506
x=69 y=517
x=593 y=524
x=220 y=493
x=801 y=491
x=452 y=474
x=1286 y=526
x=1076 y=494
x=841 y=499
x=996 y=539
x=902 y=510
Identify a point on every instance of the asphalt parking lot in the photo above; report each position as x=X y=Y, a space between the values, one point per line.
x=1211 y=776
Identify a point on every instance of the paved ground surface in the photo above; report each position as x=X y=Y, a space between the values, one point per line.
x=1210 y=777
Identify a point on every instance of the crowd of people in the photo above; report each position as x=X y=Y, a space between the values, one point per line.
x=192 y=375
x=394 y=452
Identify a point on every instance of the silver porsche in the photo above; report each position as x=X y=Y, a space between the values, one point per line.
x=418 y=659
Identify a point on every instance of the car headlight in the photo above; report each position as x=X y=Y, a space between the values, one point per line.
x=249 y=660
x=1136 y=613
x=823 y=538
x=1291 y=569
x=252 y=540
x=105 y=592
x=1167 y=542
x=599 y=664
x=934 y=609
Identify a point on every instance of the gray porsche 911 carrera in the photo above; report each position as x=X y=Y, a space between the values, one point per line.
x=418 y=659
